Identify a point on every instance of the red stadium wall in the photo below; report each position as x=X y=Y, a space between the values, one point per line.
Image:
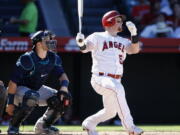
x=68 y=44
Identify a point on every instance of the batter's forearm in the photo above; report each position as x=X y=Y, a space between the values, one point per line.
x=135 y=48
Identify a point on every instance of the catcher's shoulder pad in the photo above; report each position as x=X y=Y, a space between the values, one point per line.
x=25 y=61
x=58 y=61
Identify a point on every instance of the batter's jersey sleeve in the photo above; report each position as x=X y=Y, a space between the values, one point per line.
x=91 y=42
x=127 y=43
x=23 y=65
x=58 y=68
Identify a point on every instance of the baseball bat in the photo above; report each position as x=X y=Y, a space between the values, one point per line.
x=80 y=14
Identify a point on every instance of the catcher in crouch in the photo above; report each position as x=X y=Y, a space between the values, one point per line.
x=26 y=88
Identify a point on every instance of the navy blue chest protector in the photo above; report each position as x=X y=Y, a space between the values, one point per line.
x=37 y=76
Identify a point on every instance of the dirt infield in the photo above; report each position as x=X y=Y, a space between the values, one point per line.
x=108 y=133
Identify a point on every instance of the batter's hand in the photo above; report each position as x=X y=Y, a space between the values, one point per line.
x=80 y=39
x=132 y=28
x=10 y=109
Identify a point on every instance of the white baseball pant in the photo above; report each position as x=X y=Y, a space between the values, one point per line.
x=114 y=102
x=45 y=92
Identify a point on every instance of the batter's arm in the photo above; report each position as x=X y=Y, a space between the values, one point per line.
x=134 y=47
x=85 y=46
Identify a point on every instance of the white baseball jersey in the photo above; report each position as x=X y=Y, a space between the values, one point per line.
x=108 y=52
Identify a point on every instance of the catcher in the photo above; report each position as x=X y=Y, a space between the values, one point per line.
x=26 y=88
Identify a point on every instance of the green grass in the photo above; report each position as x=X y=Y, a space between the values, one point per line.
x=161 y=128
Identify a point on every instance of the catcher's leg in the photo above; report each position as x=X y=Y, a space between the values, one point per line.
x=51 y=98
x=52 y=114
x=29 y=102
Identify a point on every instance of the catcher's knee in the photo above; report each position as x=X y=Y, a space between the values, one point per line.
x=61 y=105
x=30 y=99
x=54 y=103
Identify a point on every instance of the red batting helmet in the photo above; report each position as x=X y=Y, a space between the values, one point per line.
x=108 y=19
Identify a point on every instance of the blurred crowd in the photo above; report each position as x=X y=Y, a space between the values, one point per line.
x=157 y=18
x=154 y=18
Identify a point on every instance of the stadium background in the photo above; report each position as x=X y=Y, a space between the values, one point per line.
x=151 y=79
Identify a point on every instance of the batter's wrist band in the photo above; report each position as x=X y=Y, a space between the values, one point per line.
x=83 y=47
x=64 y=83
x=134 y=39
x=10 y=99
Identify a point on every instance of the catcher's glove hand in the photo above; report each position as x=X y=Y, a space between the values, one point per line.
x=65 y=97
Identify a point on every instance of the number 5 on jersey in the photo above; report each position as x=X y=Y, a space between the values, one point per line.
x=121 y=61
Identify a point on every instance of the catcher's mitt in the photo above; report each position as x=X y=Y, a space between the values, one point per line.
x=65 y=97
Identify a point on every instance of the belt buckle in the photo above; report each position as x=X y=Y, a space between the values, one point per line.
x=101 y=74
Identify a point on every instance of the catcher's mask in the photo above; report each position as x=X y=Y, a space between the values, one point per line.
x=46 y=37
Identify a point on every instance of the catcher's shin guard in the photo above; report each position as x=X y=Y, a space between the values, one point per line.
x=51 y=116
x=53 y=113
x=23 y=111
x=44 y=124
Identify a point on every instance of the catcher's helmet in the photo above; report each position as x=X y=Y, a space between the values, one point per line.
x=108 y=19
x=44 y=36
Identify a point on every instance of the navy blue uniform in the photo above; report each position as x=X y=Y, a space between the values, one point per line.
x=32 y=71
x=30 y=75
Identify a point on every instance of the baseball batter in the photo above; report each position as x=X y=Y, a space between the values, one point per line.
x=108 y=54
x=26 y=89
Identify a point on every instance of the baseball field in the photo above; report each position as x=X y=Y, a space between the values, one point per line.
x=106 y=130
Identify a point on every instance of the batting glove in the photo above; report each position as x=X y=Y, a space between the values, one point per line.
x=80 y=39
x=132 y=28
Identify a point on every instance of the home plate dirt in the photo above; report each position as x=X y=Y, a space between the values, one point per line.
x=105 y=133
